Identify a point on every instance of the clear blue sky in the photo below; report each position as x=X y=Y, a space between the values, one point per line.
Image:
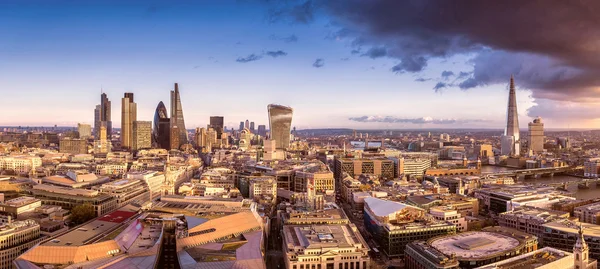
x=56 y=56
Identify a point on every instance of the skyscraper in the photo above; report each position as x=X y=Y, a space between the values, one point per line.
x=142 y=135
x=510 y=144
x=262 y=130
x=162 y=125
x=97 y=121
x=177 y=120
x=247 y=125
x=252 y=127
x=105 y=114
x=280 y=122
x=536 y=135
x=217 y=123
x=128 y=117
x=241 y=125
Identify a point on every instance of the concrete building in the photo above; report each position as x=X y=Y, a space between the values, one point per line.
x=473 y=249
x=16 y=238
x=419 y=255
x=564 y=234
x=591 y=167
x=260 y=186
x=20 y=205
x=21 y=164
x=381 y=167
x=84 y=130
x=73 y=145
x=413 y=166
x=280 y=123
x=142 y=135
x=67 y=198
x=588 y=213
x=545 y=258
x=103 y=143
x=448 y=214
x=530 y=220
x=324 y=246
x=536 y=136
x=217 y=123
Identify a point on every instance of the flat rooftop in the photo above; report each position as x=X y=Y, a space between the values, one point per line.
x=474 y=245
x=321 y=236
x=535 y=259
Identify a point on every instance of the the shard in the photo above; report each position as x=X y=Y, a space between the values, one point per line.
x=177 y=121
x=511 y=140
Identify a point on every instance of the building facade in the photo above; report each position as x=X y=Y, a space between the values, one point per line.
x=73 y=146
x=280 y=124
x=128 y=116
x=142 y=135
x=536 y=136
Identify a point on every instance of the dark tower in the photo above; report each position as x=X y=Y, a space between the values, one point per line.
x=177 y=119
x=161 y=128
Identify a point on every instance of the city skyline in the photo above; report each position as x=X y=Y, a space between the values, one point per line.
x=315 y=61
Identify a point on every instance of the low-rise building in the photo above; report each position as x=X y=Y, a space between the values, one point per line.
x=68 y=198
x=324 y=246
x=20 y=205
x=530 y=220
x=588 y=213
x=73 y=146
x=16 y=238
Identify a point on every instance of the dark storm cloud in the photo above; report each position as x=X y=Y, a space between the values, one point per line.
x=376 y=52
x=424 y=120
x=318 y=63
x=551 y=46
x=250 y=58
x=276 y=54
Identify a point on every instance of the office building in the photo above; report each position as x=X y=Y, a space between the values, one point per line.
x=415 y=167
x=564 y=234
x=15 y=238
x=162 y=127
x=420 y=255
x=591 y=167
x=588 y=213
x=241 y=126
x=142 y=135
x=217 y=123
x=84 y=130
x=68 y=198
x=247 y=124
x=20 y=205
x=324 y=246
x=394 y=225
x=104 y=116
x=355 y=167
x=536 y=136
x=280 y=124
x=262 y=186
x=545 y=258
x=97 y=121
x=252 y=127
x=73 y=145
x=262 y=130
x=474 y=249
x=510 y=144
x=177 y=121
x=128 y=116
x=20 y=164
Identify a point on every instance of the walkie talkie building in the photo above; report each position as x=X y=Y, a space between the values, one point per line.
x=280 y=123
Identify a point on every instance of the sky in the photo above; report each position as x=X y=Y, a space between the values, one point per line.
x=374 y=64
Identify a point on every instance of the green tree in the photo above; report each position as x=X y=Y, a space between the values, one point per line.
x=82 y=213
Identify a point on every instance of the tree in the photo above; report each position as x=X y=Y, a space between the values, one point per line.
x=82 y=213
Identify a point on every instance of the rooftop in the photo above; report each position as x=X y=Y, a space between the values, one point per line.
x=532 y=260
x=384 y=208
x=474 y=245
x=322 y=236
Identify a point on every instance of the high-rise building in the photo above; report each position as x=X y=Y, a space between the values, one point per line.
x=510 y=144
x=128 y=116
x=241 y=125
x=280 y=123
x=217 y=123
x=161 y=129
x=247 y=124
x=252 y=127
x=105 y=114
x=97 y=121
x=102 y=144
x=73 y=145
x=84 y=130
x=174 y=138
x=177 y=120
x=262 y=130
x=536 y=135
x=142 y=135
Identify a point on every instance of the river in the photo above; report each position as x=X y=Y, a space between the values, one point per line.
x=591 y=193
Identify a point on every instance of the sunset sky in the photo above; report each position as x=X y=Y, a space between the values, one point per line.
x=342 y=63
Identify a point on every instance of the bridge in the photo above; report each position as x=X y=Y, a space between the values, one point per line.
x=583 y=183
x=535 y=172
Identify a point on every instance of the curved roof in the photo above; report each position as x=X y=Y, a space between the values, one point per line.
x=475 y=245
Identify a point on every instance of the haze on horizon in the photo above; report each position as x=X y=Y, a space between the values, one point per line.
x=339 y=64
